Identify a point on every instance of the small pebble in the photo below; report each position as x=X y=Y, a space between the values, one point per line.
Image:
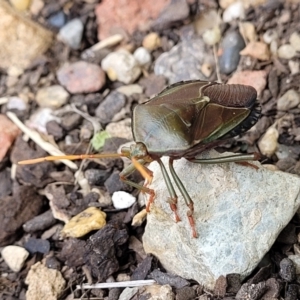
x=151 y=41
x=247 y=30
x=212 y=36
x=90 y=219
x=58 y=19
x=70 y=121
x=130 y=89
x=53 y=263
x=53 y=96
x=235 y=10
x=257 y=79
x=34 y=245
x=51 y=280
x=120 y=129
x=296 y=261
x=206 y=69
x=96 y=176
x=206 y=21
x=112 y=104
x=40 y=222
x=15 y=257
x=123 y=277
x=284 y=17
x=295 y=41
x=128 y=293
x=231 y=45
x=40 y=118
x=16 y=103
x=142 y=56
x=286 y=51
x=122 y=200
x=53 y=128
x=8 y=133
x=225 y=3
x=71 y=33
x=20 y=4
x=270 y=35
x=122 y=66
x=294 y=67
x=287 y=270
x=269 y=142
x=258 y=50
x=81 y=77
x=288 y=100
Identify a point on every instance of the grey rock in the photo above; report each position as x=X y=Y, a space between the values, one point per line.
x=40 y=222
x=183 y=61
x=58 y=19
x=288 y=100
x=71 y=33
x=239 y=212
x=232 y=44
x=177 y=10
x=111 y=105
x=34 y=245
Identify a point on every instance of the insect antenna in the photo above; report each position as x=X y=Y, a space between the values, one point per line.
x=70 y=157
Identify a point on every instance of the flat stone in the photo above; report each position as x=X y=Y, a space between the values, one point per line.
x=239 y=212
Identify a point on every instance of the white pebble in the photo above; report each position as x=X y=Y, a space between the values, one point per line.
x=288 y=100
x=286 y=51
x=142 y=56
x=212 y=36
x=294 y=67
x=122 y=200
x=16 y=103
x=234 y=11
x=270 y=35
x=15 y=257
x=268 y=143
x=295 y=40
x=122 y=66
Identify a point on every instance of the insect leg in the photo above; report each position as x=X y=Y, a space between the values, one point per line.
x=173 y=198
x=129 y=170
x=188 y=201
x=239 y=159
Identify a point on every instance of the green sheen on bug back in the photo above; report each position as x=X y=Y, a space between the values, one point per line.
x=193 y=113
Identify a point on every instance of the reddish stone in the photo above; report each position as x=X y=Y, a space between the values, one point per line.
x=8 y=132
x=126 y=14
x=257 y=79
x=81 y=77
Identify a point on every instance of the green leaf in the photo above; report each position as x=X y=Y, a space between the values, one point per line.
x=99 y=138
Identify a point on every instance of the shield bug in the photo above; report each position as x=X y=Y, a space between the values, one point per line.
x=183 y=120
